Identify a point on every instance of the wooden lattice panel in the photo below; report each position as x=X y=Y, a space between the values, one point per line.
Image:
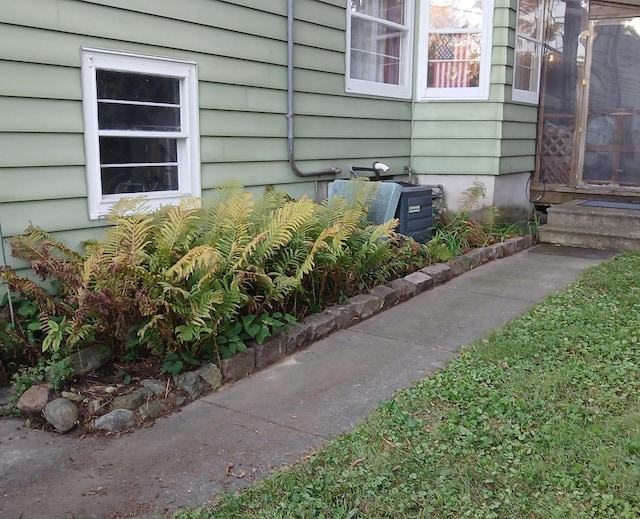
x=556 y=153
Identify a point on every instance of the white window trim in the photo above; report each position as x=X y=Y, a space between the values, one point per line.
x=188 y=138
x=425 y=93
x=374 y=88
x=529 y=96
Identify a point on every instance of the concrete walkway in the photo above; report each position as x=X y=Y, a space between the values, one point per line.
x=275 y=417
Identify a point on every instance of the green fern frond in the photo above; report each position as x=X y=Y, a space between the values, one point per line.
x=173 y=226
x=471 y=196
x=279 y=229
x=200 y=257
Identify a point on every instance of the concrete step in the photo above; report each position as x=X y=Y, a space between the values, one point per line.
x=595 y=237
x=611 y=221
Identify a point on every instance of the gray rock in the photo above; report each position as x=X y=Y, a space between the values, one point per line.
x=148 y=393
x=89 y=359
x=34 y=399
x=487 y=254
x=62 y=414
x=298 y=336
x=365 y=305
x=510 y=246
x=211 y=375
x=190 y=382
x=419 y=282
x=476 y=256
x=179 y=400
x=116 y=421
x=156 y=386
x=96 y=405
x=404 y=288
x=344 y=315
x=440 y=272
x=270 y=351
x=388 y=296
x=7 y=395
x=151 y=410
x=131 y=401
x=74 y=397
x=495 y=251
x=238 y=366
x=519 y=243
x=321 y=325
x=460 y=265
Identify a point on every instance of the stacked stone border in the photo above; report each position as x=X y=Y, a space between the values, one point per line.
x=361 y=307
x=154 y=398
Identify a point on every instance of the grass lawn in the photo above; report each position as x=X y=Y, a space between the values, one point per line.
x=538 y=420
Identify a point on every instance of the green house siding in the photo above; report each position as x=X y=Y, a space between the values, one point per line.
x=491 y=137
x=241 y=51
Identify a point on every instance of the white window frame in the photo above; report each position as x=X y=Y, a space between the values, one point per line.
x=188 y=147
x=529 y=96
x=425 y=93
x=375 y=88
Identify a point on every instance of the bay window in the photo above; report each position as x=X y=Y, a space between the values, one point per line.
x=379 y=47
x=528 y=53
x=455 y=49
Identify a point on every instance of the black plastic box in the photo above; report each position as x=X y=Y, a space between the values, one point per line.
x=415 y=211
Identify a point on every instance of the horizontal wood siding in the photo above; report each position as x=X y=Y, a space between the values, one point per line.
x=491 y=137
x=519 y=120
x=241 y=50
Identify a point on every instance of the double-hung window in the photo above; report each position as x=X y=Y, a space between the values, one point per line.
x=141 y=129
x=455 y=49
x=528 y=54
x=379 y=47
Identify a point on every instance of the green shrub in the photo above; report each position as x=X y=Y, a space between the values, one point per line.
x=191 y=282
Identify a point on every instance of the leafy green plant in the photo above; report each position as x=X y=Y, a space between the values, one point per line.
x=174 y=363
x=232 y=338
x=56 y=371
x=180 y=279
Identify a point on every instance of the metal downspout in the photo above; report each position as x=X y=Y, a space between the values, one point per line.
x=290 y=112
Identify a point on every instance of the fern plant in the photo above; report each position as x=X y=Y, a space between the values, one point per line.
x=175 y=280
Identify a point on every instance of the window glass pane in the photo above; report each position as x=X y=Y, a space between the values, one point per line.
x=454 y=60
x=629 y=171
x=554 y=24
x=597 y=166
x=527 y=65
x=455 y=14
x=114 y=116
x=139 y=179
x=375 y=52
x=528 y=18
x=391 y=10
x=128 y=86
x=132 y=150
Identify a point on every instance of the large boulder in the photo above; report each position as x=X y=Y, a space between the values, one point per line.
x=211 y=375
x=117 y=420
x=90 y=359
x=131 y=401
x=190 y=382
x=34 y=399
x=62 y=414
